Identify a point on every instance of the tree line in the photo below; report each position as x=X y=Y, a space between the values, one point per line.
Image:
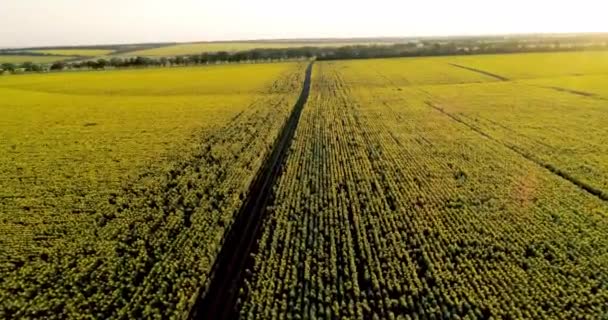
x=433 y=47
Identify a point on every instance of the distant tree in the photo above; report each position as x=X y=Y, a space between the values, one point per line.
x=102 y=64
x=116 y=62
x=57 y=66
x=10 y=67
x=37 y=68
x=255 y=55
x=195 y=59
x=143 y=61
x=179 y=60
x=222 y=56
x=204 y=58
x=240 y=56
x=32 y=67
x=27 y=65
x=91 y=64
x=78 y=65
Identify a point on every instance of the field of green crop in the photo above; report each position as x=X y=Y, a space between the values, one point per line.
x=407 y=72
x=502 y=110
x=538 y=65
x=197 y=81
x=196 y=48
x=593 y=86
x=34 y=59
x=463 y=187
x=109 y=179
x=75 y=52
x=418 y=191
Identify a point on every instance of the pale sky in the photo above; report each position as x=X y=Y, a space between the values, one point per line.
x=26 y=23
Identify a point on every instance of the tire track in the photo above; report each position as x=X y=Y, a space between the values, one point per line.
x=489 y=74
x=559 y=89
x=600 y=194
x=575 y=92
x=218 y=301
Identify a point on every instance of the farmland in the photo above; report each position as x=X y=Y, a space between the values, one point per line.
x=196 y=48
x=593 y=86
x=538 y=65
x=115 y=186
x=74 y=52
x=435 y=200
x=31 y=58
x=411 y=188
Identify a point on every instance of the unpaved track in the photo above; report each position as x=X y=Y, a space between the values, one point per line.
x=584 y=186
x=219 y=300
x=489 y=74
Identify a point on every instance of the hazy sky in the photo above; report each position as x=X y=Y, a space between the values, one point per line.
x=71 y=22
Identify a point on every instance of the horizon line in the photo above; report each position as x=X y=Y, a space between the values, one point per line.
x=319 y=39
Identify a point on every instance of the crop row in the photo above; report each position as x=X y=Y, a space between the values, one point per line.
x=562 y=130
x=388 y=208
x=153 y=243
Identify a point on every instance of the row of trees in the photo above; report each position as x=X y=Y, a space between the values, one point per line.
x=261 y=55
x=447 y=48
x=410 y=49
x=26 y=66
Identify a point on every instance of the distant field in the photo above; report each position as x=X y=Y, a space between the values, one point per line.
x=194 y=48
x=34 y=59
x=405 y=72
x=75 y=52
x=592 y=85
x=537 y=65
x=199 y=81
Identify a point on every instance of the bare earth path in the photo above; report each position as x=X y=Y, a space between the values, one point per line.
x=219 y=299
